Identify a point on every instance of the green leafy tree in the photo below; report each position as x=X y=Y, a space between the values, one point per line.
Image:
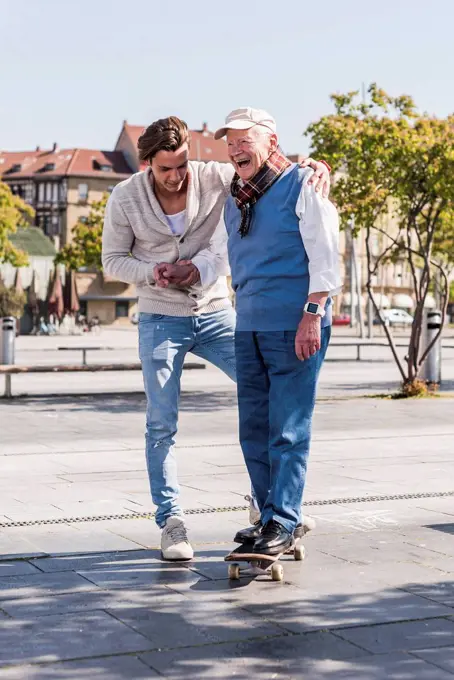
x=86 y=246
x=395 y=178
x=14 y=214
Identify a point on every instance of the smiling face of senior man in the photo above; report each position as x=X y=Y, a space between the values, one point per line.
x=251 y=139
x=249 y=149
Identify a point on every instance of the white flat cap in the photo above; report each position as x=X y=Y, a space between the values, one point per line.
x=245 y=118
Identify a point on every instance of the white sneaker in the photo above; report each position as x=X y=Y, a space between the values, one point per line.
x=307 y=524
x=174 y=541
x=254 y=512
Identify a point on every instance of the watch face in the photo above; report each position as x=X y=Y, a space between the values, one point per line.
x=312 y=308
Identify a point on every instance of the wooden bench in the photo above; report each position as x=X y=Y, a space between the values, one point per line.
x=9 y=370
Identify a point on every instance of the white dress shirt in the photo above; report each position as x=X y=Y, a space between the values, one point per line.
x=319 y=229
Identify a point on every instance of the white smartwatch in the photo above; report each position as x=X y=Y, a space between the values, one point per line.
x=314 y=309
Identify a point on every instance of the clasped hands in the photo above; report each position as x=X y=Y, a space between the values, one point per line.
x=182 y=274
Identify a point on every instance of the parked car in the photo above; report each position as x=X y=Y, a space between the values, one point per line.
x=341 y=320
x=395 y=317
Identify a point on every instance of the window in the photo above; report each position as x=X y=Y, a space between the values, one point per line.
x=398 y=274
x=46 y=224
x=83 y=192
x=102 y=167
x=55 y=195
x=48 y=192
x=374 y=244
x=121 y=310
x=55 y=225
x=29 y=192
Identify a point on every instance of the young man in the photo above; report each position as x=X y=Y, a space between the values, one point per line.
x=284 y=261
x=163 y=232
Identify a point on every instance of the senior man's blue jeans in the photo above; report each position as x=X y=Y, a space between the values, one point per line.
x=276 y=399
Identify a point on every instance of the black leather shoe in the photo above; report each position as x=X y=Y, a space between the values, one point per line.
x=273 y=539
x=248 y=535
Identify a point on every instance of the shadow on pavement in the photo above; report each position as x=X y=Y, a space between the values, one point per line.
x=369 y=387
x=201 y=401
x=127 y=614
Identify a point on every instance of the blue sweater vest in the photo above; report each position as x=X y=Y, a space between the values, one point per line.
x=270 y=268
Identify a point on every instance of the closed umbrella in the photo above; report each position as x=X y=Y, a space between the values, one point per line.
x=70 y=296
x=18 y=287
x=33 y=302
x=32 y=296
x=55 y=300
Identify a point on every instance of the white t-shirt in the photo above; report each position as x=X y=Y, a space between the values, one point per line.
x=177 y=222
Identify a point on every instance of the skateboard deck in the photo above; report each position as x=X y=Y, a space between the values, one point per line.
x=259 y=564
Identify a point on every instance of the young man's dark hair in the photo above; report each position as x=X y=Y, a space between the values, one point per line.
x=165 y=134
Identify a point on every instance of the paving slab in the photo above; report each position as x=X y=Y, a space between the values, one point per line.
x=17 y=568
x=408 y=635
x=443 y=658
x=96 y=560
x=184 y=623
x=13 y=587
x=110 y=668
x=304 y=610
x=278 y=657
x=378 y=667
x=68 y=636
x=442 y=591
x=379 y=549
x=141 y=576
x=34 y=607
x=72 y=538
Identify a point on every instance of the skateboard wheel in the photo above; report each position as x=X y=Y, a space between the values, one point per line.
x=300 y=553
x=277 y=572
x=234 y=571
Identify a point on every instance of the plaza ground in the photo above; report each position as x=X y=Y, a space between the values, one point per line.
x=84 y=594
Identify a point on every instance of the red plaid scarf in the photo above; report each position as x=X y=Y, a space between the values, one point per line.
x=248 y=193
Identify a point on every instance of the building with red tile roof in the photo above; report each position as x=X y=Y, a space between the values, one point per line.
x=61 y=183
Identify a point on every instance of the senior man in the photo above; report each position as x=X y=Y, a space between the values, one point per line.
x=284 y=261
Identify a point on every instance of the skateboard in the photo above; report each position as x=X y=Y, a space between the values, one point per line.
x=260 y=564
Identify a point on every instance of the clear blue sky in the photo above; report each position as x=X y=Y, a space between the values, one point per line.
x=72 y=71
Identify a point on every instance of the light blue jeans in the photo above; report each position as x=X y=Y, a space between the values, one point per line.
x=164 y=342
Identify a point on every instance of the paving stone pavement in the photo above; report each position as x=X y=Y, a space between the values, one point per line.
x=84 y=594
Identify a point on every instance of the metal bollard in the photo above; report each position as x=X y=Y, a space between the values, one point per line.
x=7 y=346
x=431 y=369
x=8 y=340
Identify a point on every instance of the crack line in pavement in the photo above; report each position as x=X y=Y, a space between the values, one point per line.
x=128 y=449
x=228 y=508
